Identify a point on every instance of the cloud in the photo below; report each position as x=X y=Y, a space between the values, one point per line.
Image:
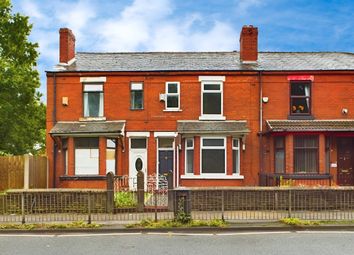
x=152 y=26
x=243 y=6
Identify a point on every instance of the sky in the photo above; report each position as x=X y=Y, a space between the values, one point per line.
x=187 y=25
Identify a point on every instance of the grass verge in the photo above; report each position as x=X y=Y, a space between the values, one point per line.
x=75 y=224
x=177 y=224
x=299 y=222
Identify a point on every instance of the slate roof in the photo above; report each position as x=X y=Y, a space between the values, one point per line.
x=73 y=128
x=212 y=127
x=309 y=125
x=209 y=61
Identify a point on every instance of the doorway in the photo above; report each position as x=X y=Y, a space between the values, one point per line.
x=137 y=160
x=345 y=151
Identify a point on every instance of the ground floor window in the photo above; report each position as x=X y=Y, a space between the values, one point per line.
x=236 y=156
x=213 y=155
x=279 y=154
x=86 y=156
x=328 y=154
x=306 y=154
x=189 y=156
x=65 y=155
x=111 y=155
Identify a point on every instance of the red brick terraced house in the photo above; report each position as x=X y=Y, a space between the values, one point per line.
x=211 y=118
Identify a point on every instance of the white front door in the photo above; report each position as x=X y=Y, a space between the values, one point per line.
x=137 y=160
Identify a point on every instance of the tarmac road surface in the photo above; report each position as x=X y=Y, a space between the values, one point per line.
x=281 y=242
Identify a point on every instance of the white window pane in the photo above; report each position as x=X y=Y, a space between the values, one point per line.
x=189 y=161
x=166 y=142
x=235 y=162
x=213 y=142
x=93 y=87
x=213 y=161
x=172 y=101
x=211 y=86
x=138 y=143
x=235 y=143
x=136 y=86
x=111 y=143
x=136 y=99
x=189 y=143
x=172 y=88
x=211 y=103
x=93 y=104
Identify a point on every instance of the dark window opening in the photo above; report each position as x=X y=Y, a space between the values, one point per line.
x=300 y=98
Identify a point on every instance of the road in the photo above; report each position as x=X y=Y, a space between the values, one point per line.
x=302 y=242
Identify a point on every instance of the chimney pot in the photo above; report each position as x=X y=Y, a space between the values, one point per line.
x=249 y=44
x=66 y=45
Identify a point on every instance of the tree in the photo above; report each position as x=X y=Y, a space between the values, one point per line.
x=22 y=115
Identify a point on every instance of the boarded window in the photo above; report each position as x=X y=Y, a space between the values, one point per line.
x=86 y=156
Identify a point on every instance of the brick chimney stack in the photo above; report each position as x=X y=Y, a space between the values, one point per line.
x=66 y=45
x=249 y=44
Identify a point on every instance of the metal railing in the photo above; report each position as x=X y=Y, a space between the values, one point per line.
x=230 y=204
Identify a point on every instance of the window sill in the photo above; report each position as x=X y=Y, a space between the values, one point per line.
x=82 y=177
x=212 y=177
x=172 y=110
x=136 y=109
x=300 y=117
x=92 y=118
x=212 y=117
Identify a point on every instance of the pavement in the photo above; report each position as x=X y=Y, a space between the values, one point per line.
x=233 y=227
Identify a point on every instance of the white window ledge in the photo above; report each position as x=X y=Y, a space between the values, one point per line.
x=213 y=177
x=92 y=118
x=212 y=117
x=172 y=110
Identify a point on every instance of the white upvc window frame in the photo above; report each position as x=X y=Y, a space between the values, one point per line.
x=185 y=155
x=221 y=91
x=212 y=147
x=173 y=94
x=136 y=86
x=88 y=88
x=237 y=149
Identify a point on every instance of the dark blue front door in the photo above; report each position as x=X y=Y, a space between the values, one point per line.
x=165 y=161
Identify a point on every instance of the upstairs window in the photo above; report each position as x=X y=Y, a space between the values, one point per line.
x=300 y=98
x=93 y=100
x=211 y=98
x=172 y=96
x=136 y=96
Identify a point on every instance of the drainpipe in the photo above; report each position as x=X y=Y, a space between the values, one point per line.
x=54 y=122
x=260 y=125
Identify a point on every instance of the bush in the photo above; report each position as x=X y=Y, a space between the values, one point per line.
x=125 y=199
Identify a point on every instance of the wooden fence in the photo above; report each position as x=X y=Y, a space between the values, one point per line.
x=26 y=171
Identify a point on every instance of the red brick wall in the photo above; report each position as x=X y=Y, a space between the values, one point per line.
x=240 y=103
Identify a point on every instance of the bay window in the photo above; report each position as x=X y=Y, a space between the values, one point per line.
x=213 y=155
x=306 y=154
x=86 y=156
x=189 y=156
x=279 y=154
x=236 y=156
